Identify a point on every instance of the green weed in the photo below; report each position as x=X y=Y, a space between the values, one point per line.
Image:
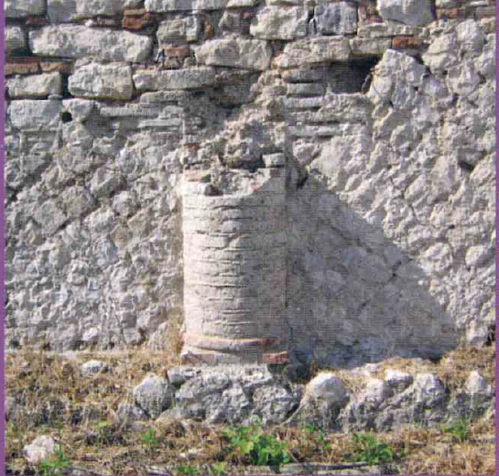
x=368 y=449
x=319 y=434
x=186 y=471
x=217 y=469
x=459 y=430
x=262 y=449
x=54 y=465
x=150 y=439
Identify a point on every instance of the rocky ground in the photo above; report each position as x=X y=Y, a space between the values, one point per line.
x=143 y=413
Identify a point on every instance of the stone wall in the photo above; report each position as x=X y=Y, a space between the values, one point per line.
x=384 y=111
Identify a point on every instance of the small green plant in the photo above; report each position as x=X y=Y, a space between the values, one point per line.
x=321 y=439
x=54 y=465
x=262 y=449
x=459 y=430
x=150 y=439
x=186 y=471
x=217 y=469
x=368 y=449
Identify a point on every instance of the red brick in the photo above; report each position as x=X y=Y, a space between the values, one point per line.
x=133 y=22
x=57 y=66
x=406 y=42
x=22 y=66
x=452 y=13
x=36 y=21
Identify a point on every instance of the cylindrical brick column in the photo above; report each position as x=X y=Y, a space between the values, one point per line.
x=234 y=265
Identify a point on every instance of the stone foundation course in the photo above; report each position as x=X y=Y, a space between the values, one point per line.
x=383 y=114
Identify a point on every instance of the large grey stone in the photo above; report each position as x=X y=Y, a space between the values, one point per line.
x=23 y=8
x=278 y=23
x=60 y=11
x=183 y=5
x=100 y=44
x=328 y=387
x=239 y=53
x=96 y=81
x=32 y=115
x=178 y=30
x=41 y=448
x=189 y=78
x=38 y=86
x=410 y=12
x=154 y=395
x=314 y=50
x=336 y=18
x=15 y=39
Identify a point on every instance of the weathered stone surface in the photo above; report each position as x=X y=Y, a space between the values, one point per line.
x=182 y=29
x=23 y=8
x=239 y=53
x=336 y=18
x=40 y=86
x=40 y=449
x=182 y=5
x=189 y=78
x=30 y=115
x=329 y=388
x=60 y=11
x=98 y=81
x=278 y=23
x=470 y=36
x=387 y=29
x=102 y=44
x=369 y=46
x=442 y=53
x=80 y=109
x=15 y=39
x=410 y=12
x=153 y=395
x=315 y=50
x=94 y=367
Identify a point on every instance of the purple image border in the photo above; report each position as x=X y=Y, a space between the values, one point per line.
x=2 y=247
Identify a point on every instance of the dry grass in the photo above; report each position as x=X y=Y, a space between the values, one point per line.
x=99 y=444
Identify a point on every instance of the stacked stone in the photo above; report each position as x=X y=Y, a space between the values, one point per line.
x=234 y=266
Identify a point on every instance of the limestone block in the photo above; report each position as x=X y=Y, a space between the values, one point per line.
x=60 y=11
x=470 y=36
x=314 y=50
x=35 y=115
x=40 y=449
x=428 y=390
x=100 y=44
x=410 y=12
x=330 y=388
x=50 y=216
x=181 y=29
x=397 y=380
x=189 y=78
x=478 y=387
x=280 y=23
x=485 y=64
x=463 y=79
x=369 y=46
x=96 y=81
x=239 y=53
x=388 y=29
x=183 y=5
x=23 y=8
x=305 y=89
x=94 y=367
x=15 y=39
x=442 y=53
x=80 y=109
x=154 y=395
x=241 y=3
x=38 y=86
x=336 y=18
